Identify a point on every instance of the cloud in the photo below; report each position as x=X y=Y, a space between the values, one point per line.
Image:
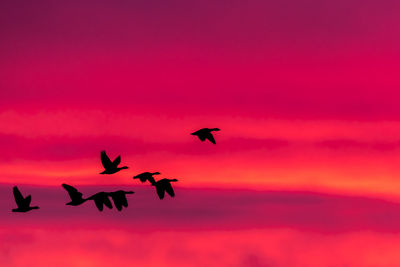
x=196 y=209
x=213 y=227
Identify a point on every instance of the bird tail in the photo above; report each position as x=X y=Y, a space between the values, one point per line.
x=215 y=129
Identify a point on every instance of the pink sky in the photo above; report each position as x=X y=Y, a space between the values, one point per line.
x=305 y=170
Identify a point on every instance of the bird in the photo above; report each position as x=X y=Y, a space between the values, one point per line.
x=22 y=203
x=205 y=133
x=146 y=176
x=110 y=167
x=164 y=185
x=101 y=199
x=119 y=198
x=75 y=195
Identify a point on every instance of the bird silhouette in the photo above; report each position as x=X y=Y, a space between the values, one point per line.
x=75 y=195
x=146 y=176
x=110 y=166
x=101 y=199
x=119 y=198
x=205 y=133
x=22 y=203
x=164 y=185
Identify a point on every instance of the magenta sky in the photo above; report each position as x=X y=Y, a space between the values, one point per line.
x=305 y=170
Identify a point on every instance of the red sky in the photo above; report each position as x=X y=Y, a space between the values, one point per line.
x=305 y=93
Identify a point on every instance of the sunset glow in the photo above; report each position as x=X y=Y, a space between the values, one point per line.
x=306 y=167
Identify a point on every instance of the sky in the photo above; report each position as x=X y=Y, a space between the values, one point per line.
x=304 y=92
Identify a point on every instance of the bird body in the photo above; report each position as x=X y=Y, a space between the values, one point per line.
x=110 y=167
x=146 y=176
x=22 y=203
x=205 y=133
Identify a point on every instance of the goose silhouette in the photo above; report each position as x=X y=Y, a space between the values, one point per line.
x=164 y=185
x=22 y=203
x=75 y=195
x=119 y=198
x=205 y=133
x=110 y=167
x=146 y=176
x=101 y=199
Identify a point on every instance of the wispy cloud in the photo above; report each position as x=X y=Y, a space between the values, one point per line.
x=208 y=209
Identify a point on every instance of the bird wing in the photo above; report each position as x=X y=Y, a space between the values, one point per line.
x=210 y=137
x=72 y=192
x=18 y=196
x=124 y=201
x=105 y=160
x=160 y=191
x=169 y=189
x=107 y=202
x=117 y=161
x=28 y=200
x=151 y=180
x=99 y=203
x=117 y=201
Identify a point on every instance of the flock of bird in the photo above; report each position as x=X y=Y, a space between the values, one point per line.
x=102 y=199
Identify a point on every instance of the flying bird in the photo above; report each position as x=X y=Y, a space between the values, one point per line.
x=75 y=195
x=164 y=185
x=101 y=199
x=110 y=167
x=205 y=133
x=22 y=203
x=146 y=176
x=119 y=198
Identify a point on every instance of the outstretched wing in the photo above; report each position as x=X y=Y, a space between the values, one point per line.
x=117 y=201
x=72 y=192
x=18 y=196
x=170 y=190
x=151 y=180
x=124 y=201
x=99 y=203
x=28 y=200
x=117 y=161
x=107 y=202
x=160 y=191
x=211 y=138
x=105 y=160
